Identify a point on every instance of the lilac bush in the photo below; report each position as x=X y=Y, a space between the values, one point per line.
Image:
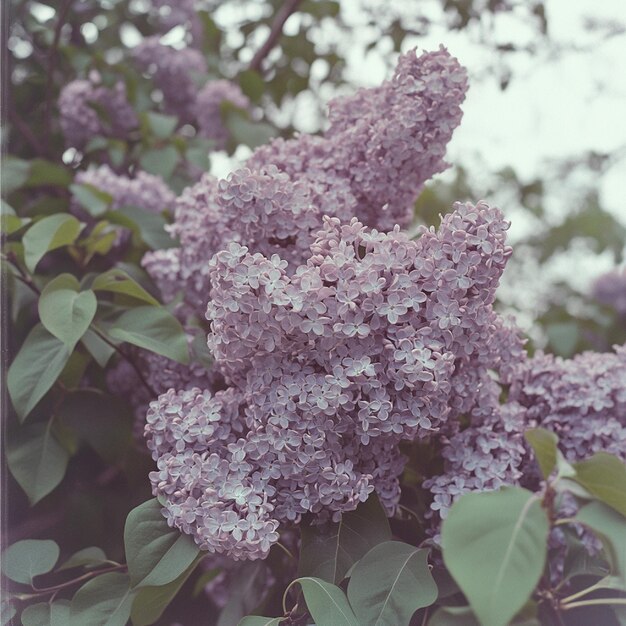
x=582 y=400
x=88 y=108
x=208 y=109
x=143 y=190
x=610 y=290
x=372 y=169
x=175 y=72
x=330 y=367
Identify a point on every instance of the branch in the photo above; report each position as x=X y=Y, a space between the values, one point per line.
x=276 y=31
x=26 y=132
x=52 y=60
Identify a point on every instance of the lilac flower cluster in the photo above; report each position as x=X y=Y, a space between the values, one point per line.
x=175 y=73
x=610 y=290
x=179 y=13
x=582 y=400
x=331 y=366
x=266 y=210
x=372 y=166
x=144 y=191
x=383 y=144
x=208 y=109
x=87 y=108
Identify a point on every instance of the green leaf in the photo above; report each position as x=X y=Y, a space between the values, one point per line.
x=36 y=460
x=578 y=561
x=329 y=551
x=45 y=614
x=256 y=620
x=154 y=329
x=103 y=601
x=14 y=174
x=155 y=553
x=99 y=349
x=453 y=616
x=611 y=529
x=604 y=477
x=327 y=603
x=390 y=583
x=246 y=592
x=244 y=131
x=86 y=556
x=252 y=84
x=118 y=281
x=160 y=161
x=150 y=602
x=9 y=222
x=100 y=420
x=503 y=535
x=26 y=559
x=66 y=311
x=34 y=370
x=44 y=172
x=162 y=126
x=544 y=445
x=49 y=234
x=95 y=201
x=148 y=226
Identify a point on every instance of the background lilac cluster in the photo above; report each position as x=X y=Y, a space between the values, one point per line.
x=582 y=400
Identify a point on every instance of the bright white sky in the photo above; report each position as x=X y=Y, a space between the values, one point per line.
x=553 y=108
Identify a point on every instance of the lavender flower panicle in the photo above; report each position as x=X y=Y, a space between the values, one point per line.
x=87 y=109
x=208 y=109
x=610 y=290
x=144 y=191
x=382 y=145
x=276 y=203
x=582 y=400
x=331 y=365
x=175 y=73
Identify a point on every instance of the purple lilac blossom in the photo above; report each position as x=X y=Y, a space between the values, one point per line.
x=88 y=109
x=208 y=109
x=143 y=190
x=180 y=13
x=331 y=366
x=582 y=400
x=373 y=169
x=610 y=290
x=383 y=144
x=175 y=73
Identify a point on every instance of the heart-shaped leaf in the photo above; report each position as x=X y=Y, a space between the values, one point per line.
x=326 y=602
x=49 y=234
x=26 y=559
x=66 y=311
x=34 y=370
x=503 y=535
x=328 y=551
x=152 y=328
x=390 y=583
x=36 y=460
x=156 y=554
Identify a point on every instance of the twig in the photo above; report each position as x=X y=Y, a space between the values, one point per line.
x=598 y=602
x=55 y=588
x=127 y=358
x=26 y=132
x=52 y=61
x=276 y=31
